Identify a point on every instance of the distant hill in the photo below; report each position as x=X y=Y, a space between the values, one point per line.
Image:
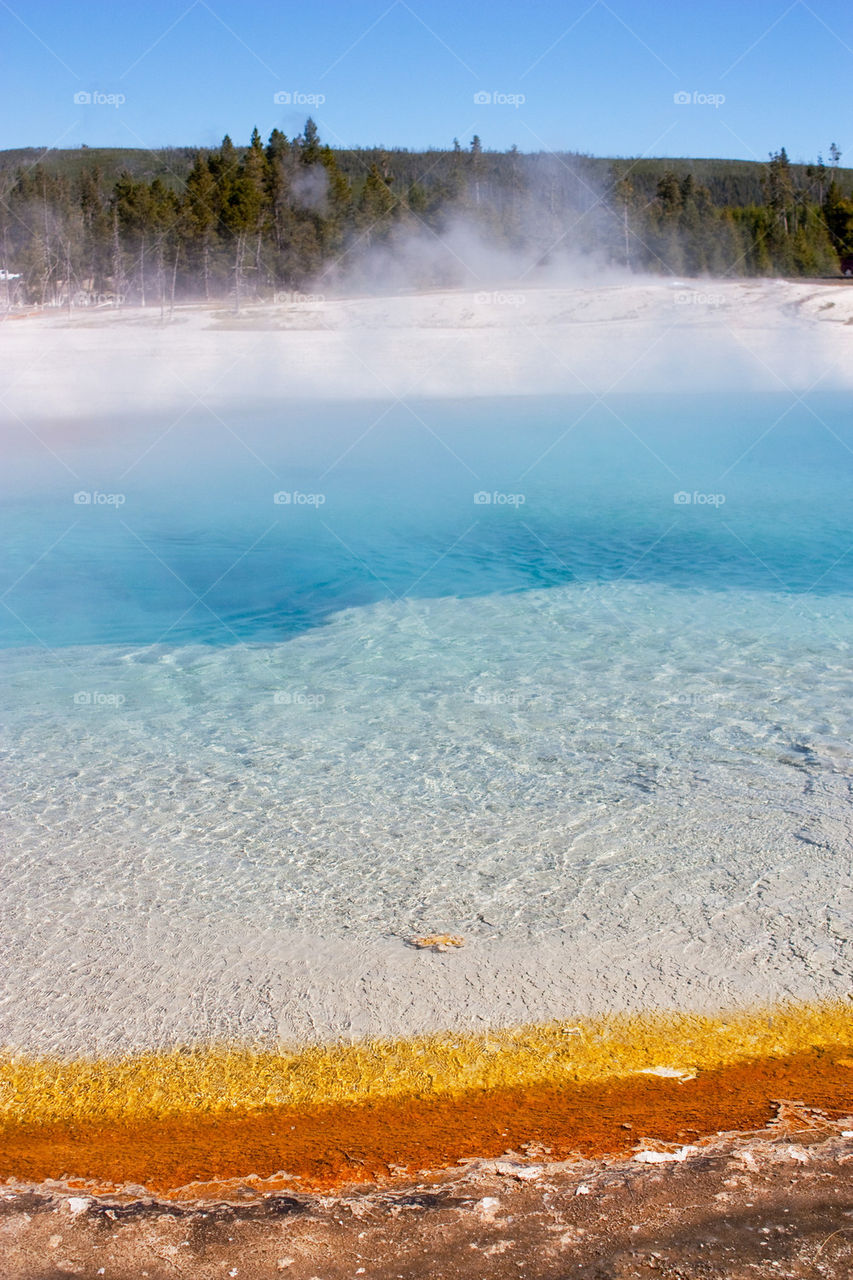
x=172 y=164
x=731 y=183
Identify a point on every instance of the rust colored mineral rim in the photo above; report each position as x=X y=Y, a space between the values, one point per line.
x=321 y=1132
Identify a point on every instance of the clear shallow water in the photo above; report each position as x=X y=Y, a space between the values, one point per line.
x=598 y=709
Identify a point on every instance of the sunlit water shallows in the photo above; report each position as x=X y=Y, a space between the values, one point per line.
x=505 y=669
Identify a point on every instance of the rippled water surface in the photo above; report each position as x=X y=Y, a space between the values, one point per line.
x=481 y=666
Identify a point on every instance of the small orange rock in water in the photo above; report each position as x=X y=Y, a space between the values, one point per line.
x=437 y=942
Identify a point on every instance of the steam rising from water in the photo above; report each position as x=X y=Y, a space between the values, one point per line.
x=413 y=257
x=563 y=334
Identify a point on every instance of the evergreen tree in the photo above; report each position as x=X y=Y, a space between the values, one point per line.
x=838 y=219
x=309 y=143
x=375 y=205
x=200 y=210
x=779 y=189
x=133 y=207
x=665 y=238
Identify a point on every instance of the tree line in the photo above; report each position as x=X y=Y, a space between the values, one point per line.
x=249 y=222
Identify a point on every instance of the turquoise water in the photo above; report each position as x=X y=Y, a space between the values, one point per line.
x=579 y=709
x=183 y=542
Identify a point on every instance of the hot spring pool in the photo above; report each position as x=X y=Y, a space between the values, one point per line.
x=566 y=679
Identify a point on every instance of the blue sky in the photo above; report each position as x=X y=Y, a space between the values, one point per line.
x=589 y=75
